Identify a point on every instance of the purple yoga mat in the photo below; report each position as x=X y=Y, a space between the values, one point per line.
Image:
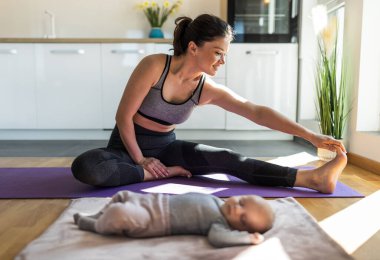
x=59 y=183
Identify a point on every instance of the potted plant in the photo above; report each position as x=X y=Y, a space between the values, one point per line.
x=331 y=86
x=158 y=14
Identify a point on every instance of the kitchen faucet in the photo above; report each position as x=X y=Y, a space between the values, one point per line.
x=52 y=25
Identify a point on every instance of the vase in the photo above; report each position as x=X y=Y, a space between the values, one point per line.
x=156 y=32
x=326 y=155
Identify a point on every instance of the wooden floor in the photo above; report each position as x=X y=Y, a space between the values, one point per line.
x=22 y=220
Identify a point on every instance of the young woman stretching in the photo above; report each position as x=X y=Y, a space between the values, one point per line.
x=162 y=92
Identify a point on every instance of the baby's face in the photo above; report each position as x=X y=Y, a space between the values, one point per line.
x=248 y=213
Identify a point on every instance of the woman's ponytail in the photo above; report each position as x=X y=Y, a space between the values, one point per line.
x=179 y=42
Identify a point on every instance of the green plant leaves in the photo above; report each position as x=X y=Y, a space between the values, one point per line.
x=331 y=98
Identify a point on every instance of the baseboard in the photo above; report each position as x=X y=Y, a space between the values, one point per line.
x=364 y=163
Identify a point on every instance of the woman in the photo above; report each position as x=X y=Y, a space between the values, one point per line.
x=162 y=91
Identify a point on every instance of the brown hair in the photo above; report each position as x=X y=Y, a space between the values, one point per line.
x=204 y=28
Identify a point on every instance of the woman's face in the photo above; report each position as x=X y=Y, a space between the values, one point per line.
x=211 y=55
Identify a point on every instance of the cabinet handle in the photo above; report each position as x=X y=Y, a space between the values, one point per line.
x=262 y=52
x=11 y=51
x=80 y=51
x=140 y=51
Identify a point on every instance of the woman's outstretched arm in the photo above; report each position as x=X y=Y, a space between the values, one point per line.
x=224 y=97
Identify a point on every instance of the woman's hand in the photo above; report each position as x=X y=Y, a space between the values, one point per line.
x=154 y=167
x=326 y=142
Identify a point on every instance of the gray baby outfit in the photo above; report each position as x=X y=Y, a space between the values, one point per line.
x=152 y=215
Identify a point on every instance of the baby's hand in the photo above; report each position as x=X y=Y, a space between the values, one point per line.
x=256 y=238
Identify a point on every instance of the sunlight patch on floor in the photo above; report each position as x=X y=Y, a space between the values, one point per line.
x=174 y=188
x=269 y=249
x=354 y=225
x=295 y=159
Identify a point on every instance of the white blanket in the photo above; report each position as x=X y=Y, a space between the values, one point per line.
x=295 y=235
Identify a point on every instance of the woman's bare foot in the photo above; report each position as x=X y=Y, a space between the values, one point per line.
x=324 y=178
x=178 y=171
x=173 y=171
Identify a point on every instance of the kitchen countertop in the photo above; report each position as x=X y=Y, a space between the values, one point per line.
x=84 y=40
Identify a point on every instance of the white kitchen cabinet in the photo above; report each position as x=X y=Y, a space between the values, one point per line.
x=164 y=48
x=265 y=74
x=17 y=86
x=118 y=63
x=79 y=86
x=68 y=92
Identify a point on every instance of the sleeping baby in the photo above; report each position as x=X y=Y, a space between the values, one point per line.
x=240 y=220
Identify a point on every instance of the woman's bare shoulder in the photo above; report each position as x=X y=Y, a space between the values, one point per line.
x=154 y=61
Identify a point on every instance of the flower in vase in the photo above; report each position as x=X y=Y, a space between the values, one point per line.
x=157 y=14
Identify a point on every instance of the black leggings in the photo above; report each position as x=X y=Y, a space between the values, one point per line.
x=112 y=166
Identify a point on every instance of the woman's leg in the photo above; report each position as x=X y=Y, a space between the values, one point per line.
x=112 y=166
x=204 y=159
x=106 y=167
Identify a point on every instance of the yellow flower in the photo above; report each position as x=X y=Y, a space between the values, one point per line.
x=328 y=35
x=157 y=14
x=146 y=4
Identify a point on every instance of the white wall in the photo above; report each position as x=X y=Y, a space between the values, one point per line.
x=368 y=114
x=88 y=18
x=356 y=42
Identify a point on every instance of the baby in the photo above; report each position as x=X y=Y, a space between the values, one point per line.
x=239 y=220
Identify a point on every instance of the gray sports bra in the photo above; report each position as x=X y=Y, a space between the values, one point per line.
x=156 y=108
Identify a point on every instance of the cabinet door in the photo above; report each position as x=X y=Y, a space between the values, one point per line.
x=265 y=74
x=68 y=86
x=17 y=86
x=118 y=63
x=165 y=48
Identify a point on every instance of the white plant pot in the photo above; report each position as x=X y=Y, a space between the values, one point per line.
x=325 y=155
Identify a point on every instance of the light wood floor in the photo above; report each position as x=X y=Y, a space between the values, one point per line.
x=22 y=220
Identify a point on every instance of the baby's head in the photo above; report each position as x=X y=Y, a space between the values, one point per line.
x=248 y=213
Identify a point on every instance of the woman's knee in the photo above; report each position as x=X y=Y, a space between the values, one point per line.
x=85 y=167
x=106 y=168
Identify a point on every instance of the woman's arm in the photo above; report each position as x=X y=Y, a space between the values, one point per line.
x=222 y=96
x=145 y=75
